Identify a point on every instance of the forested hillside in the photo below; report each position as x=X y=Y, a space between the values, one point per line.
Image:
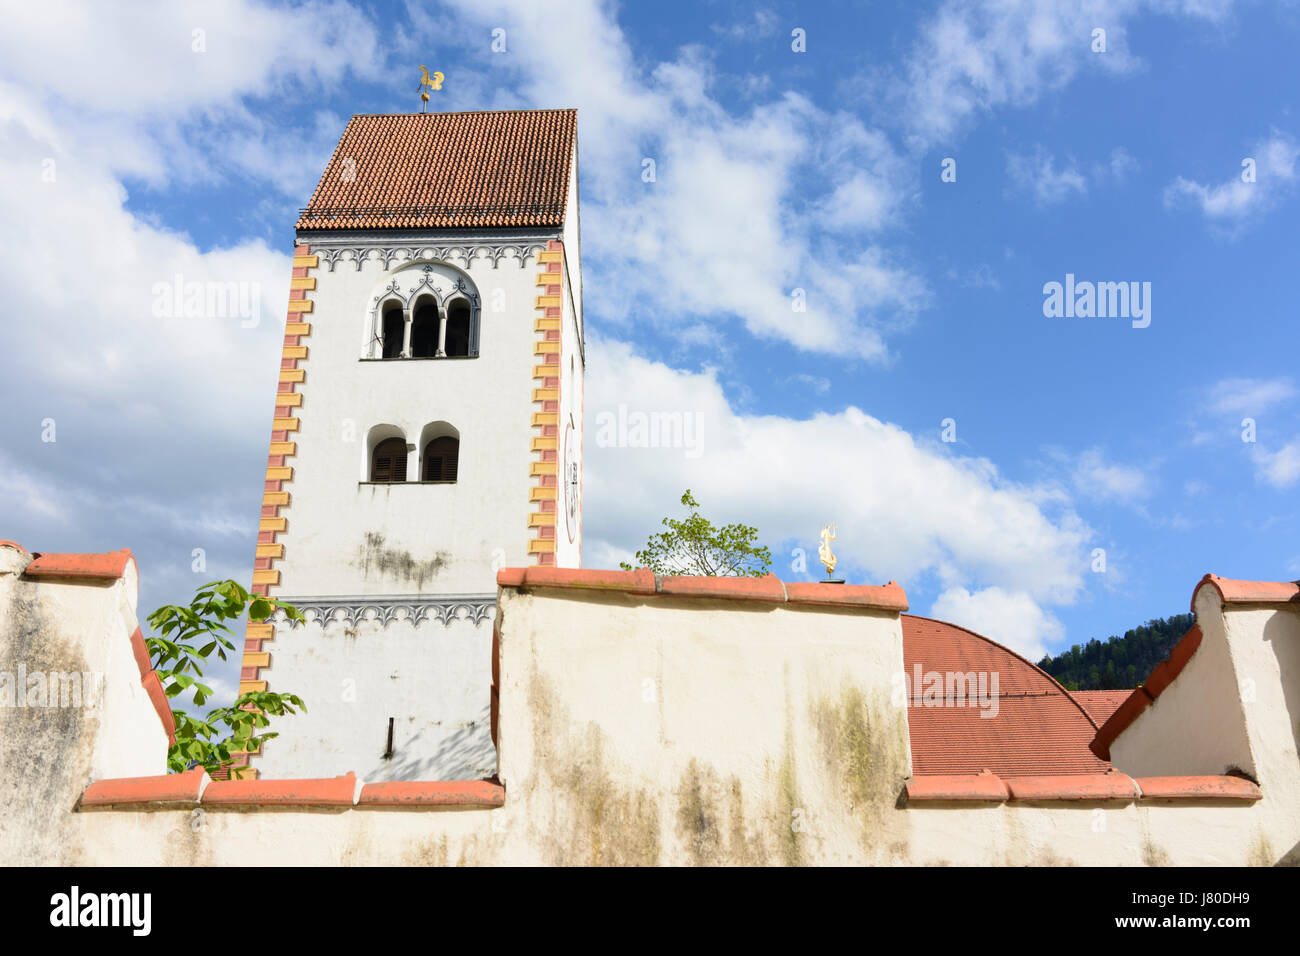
x=1117 y=662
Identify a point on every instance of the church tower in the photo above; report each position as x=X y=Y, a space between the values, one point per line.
x=427 y=432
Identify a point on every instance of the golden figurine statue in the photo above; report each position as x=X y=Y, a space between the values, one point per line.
x=824 y=550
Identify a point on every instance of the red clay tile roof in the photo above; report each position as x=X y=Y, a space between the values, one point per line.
x=1100 y=704
x=447 y=170
x=1039 y=727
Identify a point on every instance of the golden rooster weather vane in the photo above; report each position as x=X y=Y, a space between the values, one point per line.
x=824 y=549
x=428 y=81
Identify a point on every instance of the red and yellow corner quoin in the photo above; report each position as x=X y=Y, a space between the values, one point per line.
x=272 y=525
x=546 y=396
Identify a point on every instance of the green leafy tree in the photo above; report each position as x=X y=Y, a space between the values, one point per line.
x=187 y=637
x=695 y=546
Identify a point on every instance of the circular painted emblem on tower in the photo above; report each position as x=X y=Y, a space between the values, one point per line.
x=570 y=482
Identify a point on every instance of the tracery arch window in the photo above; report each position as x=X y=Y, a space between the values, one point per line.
x=425 y=309
x=388 y=461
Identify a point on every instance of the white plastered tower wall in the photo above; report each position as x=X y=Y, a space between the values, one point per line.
x=568 y=526
x=398 y=579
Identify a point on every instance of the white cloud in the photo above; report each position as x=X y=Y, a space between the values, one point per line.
x=980 y=277
x=135 y=91
x=818 y=383
x=974 y=56
x=161 y=420
x=1281 y=468
x=1104 y=480
x=905 y=509
x=148 y=59
x=1120 y=165
x=100 y=290
x=763 y=25
x=1250 y=396
x=1037 y=176
x=1235 y=203
x=1010 y=618
x=28 y=494
x=719 y=232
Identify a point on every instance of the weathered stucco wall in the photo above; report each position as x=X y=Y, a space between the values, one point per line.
x=432 y=678
x=648 y=724
x=1234 y=707
x=1197 y=724
x=59 y=634
x=1266 y=651
x=654 y=729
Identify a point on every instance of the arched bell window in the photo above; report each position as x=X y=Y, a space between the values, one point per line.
x=393 y=330
x=424 y=329
x=441 y=459
x=458 y=328
x=388 y=460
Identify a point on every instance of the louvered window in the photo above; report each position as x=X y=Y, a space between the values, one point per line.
x=388 y=462
x=440 y=459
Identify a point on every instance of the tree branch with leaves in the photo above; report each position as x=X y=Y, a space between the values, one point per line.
x=695 y=546
x=186 y=638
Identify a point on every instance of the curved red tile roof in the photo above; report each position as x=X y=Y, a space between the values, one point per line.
x=1100 y=704
x=447 y=170
x=1039 y=727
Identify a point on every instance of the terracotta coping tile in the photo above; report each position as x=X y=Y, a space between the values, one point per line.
x=769 y=588
x=1080 y=786
x=430 y=793
x=641 y=581
x=976 y=787
x=888 y=597
x=106 y=567
x=766 y=588
x=1198 y=788
x=168 y=788
x=331 y=792
x=1073 y=788
x=1250 y=592
x=1163 y=674
x=140 y=651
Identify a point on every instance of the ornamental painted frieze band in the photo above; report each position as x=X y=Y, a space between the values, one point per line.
x=387 y=609
x=389 y=249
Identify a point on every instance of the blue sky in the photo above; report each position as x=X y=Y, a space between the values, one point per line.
x=775 y=170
